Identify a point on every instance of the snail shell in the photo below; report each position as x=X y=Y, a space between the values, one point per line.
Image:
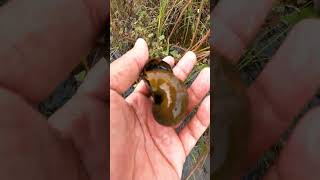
x=169 y=94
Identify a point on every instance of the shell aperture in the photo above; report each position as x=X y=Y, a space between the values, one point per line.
x=169 y=94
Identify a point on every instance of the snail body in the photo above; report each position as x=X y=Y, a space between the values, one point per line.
x=169 y=94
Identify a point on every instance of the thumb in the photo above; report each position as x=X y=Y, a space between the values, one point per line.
x=125 y=70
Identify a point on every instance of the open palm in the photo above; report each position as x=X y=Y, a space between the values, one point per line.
x=145 y=149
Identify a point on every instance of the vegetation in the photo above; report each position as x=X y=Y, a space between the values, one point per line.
x=170 y=27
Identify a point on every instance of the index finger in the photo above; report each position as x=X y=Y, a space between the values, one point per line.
x=125 y=71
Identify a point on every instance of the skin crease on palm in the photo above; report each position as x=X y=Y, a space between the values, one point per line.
x=282 y=89
x=150 y=150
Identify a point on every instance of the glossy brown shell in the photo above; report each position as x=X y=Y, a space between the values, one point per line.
x=169 y=94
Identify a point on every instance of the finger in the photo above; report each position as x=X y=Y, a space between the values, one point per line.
x=301 y=150
x=141 y=86
x=286 y=84
x=169 y=60
x=94 y=87
x=235 y=25
x=126 y=70
x=95 y=84
x=83 y=120
x=191 y=133
x=185 y=65
x=199 y=88
x=226 y=42
x=46 y=44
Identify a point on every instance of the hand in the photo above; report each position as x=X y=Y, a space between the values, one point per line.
x=140 y=147
x=282 y=89
x=41 y=42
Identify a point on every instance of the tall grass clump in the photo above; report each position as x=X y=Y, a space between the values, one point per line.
x=170 y=27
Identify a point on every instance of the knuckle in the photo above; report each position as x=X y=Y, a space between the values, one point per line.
x=180 y=73
x=193 y=130
x=114 y=98
x=115 y=80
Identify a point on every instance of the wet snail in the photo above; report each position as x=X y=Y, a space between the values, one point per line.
x=169 y=94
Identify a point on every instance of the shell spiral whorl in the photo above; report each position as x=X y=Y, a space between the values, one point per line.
x=169 y=94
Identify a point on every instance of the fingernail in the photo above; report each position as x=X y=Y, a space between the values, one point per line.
x=139 y=42
x=206 y=70
x=169 y=60
x=208 y=104
x=191 y=54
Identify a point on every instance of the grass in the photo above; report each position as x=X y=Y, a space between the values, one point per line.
x=199 y=155
x=161 y=16
x=170 y=27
